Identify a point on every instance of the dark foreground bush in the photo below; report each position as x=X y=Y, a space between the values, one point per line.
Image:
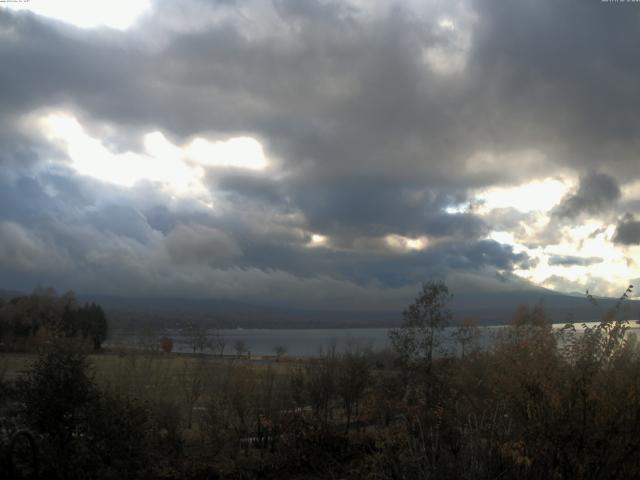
x=82 y=431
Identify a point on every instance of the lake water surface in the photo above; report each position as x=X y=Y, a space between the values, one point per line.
x=309 y=342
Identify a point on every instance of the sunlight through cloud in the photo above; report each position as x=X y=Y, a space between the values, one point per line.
x=611 y=268
x=449 y=56
x=181 y=170
x=406 y=244
x=539 y=195
x=318 y=240
x=117 y=14
x=242 y=152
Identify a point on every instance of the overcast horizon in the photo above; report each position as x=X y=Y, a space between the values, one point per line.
x=318 y=153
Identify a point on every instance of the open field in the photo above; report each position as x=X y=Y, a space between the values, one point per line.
x=13 y=364
x=155 y=374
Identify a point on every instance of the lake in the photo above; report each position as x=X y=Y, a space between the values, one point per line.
x=308 y=342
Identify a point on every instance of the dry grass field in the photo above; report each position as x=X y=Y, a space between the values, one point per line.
x=186 y=382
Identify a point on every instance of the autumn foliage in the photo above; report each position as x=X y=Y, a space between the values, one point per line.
x=166 y=344
x=538 y=402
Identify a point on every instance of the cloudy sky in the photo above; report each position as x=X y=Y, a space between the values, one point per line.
x=319 y=153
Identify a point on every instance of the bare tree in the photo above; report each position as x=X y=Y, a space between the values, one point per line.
x=240 y=347
x=279 y=350
x=466 y=335
x=217 y=342
x=196 y=334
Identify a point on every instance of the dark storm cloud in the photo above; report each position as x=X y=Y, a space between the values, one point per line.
x=565 y=74
x=160 y=218
x=52 y=66
x=375 y=205
x=366 y=138
x=597 y=192
x=386 y=268
x=627 y=231
x=251 y=187
x=440 y=261
x=355 y=206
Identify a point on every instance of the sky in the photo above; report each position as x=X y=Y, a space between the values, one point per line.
x=316 y=153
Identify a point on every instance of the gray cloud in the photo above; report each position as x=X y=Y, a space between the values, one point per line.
x=597 y=192
x=366 y=139
x=197 y=244
x=379 y=205
x=326 y=84
x=21 y=250
x=120 y=220
x=627 y=231
x=570 y=260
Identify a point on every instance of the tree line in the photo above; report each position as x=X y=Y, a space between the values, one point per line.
x=31 y=321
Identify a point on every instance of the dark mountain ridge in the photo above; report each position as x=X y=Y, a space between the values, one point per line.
x=486 y=308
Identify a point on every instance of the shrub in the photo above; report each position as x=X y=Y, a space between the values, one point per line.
x=83 y=432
